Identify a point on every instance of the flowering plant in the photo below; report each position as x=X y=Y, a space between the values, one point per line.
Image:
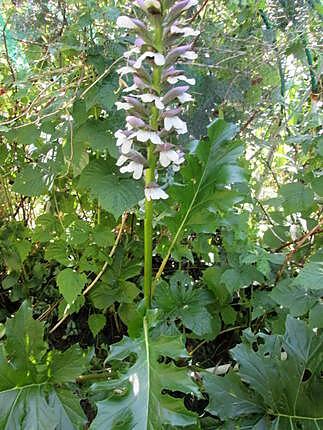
x=154 y=100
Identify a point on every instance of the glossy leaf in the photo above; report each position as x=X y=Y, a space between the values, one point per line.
x=286 y=387
x=138 y=400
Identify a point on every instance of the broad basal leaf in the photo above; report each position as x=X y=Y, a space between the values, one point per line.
x=115 y=194
x=139 y=400
x=29 y=396
x=177 y=301
x=281 y=381
x=40 y=407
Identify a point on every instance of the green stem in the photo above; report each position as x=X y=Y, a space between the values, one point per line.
x=148 y=237
x=150 y=176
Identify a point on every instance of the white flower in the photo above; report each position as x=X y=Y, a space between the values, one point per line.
x=154 y=192
x=133 y=87
x=185 y=97
x=126 y=70
x=185 y=31
x=132 y=52
x=174 y=79
x=145 y=135
x=159 y=59
x=190 y=4
x=149 y=98
x=125 y=22
x=189 y=55
x=133 y=167
x=168 y=155
x=147 y=4
x=123 y=141
x=176 y=123
x=123 y=106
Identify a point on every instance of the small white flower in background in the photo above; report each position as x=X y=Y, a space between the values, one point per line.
x=151 y=98
x=154 y=192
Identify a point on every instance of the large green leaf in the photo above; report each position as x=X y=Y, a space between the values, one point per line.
x=138 y=400
x=311 y=276
x=95 y=134
x=32 y=181
x=40 y=407
x=297 y=197
x=178 y=301
x=32 y=395
x=115 y=194
x=282 y=379
x=297 y=299
x=211 y=169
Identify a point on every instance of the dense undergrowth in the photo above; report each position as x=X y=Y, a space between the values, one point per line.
x=232 y=338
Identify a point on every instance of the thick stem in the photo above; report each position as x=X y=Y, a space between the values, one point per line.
x=150 y=175
x=148 y=234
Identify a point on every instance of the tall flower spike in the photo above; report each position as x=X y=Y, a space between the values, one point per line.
x=154 y=97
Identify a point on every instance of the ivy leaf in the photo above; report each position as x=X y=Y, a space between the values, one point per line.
x=96 y=323
x=297 y=299
x=297 y=197
x=311 y=276
x=316 y=316
x=104 y=295
x=70 y=284
x=59 y=251
x=32 y=181
x=115 y=194
x=95 y=134
x=138 y=400
x=67 y=365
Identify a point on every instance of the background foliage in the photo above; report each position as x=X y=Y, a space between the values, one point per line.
x=239 y=239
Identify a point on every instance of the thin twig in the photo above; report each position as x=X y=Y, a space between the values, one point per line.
x=97 y=278
x=199 y=10
x=13 y=74
x=299 y=243
x=103 y=75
